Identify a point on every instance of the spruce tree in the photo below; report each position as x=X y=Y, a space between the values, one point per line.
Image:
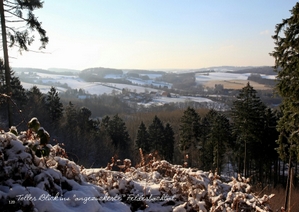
x=71 y=124
x=156 y=136
x=205 y=158
x=218 y=138
x=54 y=106
x=168 y=143
x=118 y=133
x=36 y=105
x=248 y=113
x=142 y=140
x=287 y=67
x=190 y=132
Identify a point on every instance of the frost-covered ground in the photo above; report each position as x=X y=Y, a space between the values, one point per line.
x=54 y=183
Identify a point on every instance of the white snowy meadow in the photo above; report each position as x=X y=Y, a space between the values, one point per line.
x=54 y=183
x=45 y=81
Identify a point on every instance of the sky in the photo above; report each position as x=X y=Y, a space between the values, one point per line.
x=155 y=34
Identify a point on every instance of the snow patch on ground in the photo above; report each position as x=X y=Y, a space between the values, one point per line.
x=54 y=183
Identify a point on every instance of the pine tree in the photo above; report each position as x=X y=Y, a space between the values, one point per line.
x=54 y=106
x=142 y=140
x=248 y=123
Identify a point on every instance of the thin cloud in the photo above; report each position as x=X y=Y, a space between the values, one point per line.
x=265 y=32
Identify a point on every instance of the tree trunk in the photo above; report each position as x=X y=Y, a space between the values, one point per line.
x=6 y=63
x=245 y=162
x=289 y=184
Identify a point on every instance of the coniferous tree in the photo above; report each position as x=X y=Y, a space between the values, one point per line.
x=205 y=131
x=142 y=140
x=189 y=132
x=36 y=105
x=71 y=125
x=18 y=98
x=266 y=155
x=287 y=68
x=168 y=143
x=248 y=124
x=18 y=36
x=54 y=106
x=156 y=136
x=218 y=138
x=118 y=133
x=86 y=123
x=18 y=92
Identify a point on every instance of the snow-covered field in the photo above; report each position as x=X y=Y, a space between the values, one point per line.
x=164 y=100
x=54 y=183
x=45 y=81
x=217 y=76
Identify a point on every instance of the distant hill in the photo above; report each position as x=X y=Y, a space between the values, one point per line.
x=101 y=72
x=139 y=71
x=268 y=70
x=65 y=70
x=98 y=75
x=50 y=71
x=38 y=70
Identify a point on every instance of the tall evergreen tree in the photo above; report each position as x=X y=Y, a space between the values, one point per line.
x=54 y=106
x=189 y=132
x=36 y=105
x=287 y=67
x=156 y=136
x=17 y=35
x=248 y=123
x=118 y=133
x=218 y=138
x=18 y=91
x=18 y=96
x=205 y=158
x=72 y=121
x=168 y=143
x=265 y=153
x=142 y=140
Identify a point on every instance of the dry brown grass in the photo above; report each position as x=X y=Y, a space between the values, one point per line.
x=278 y=200
x=236 y=84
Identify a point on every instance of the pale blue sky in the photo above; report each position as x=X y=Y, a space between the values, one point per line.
x=156 y=34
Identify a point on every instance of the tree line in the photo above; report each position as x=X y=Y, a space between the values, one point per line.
x=242 y=140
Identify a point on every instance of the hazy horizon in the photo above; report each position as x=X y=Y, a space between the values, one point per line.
x=156 y=69
x=155 y=34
